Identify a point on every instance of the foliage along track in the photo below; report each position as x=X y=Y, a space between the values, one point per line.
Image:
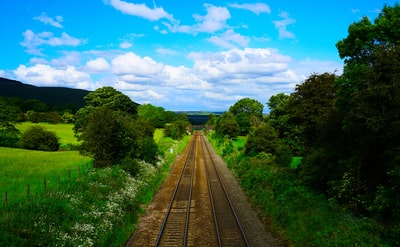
x=200 y=204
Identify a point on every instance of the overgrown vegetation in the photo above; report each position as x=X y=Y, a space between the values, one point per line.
x=345 y=130
x=97 y=208
x=301 y=216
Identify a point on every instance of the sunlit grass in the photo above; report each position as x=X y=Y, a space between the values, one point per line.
x=62 y=130
x=20 y=167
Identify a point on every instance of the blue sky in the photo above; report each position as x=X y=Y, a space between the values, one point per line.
x=181 y=55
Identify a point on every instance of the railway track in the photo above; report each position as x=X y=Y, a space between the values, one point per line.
x=200 y=211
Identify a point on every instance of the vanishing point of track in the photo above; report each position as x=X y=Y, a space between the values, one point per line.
x=195 y=217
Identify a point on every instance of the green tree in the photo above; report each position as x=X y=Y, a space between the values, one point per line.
x=8 y=133
x=248 y=113
x=226 y=125
x=103 y=97
x=369 y=99
x=38 y=138
x=279 y=119
x=102 y=137
x=311 y=105
x=156 y=115
x=266 y=139
x=111 y=98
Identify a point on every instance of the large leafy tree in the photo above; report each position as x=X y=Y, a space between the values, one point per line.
x=226 y=125
x=248 y=113
x=279 y=119
x=103 y=97
x=112 y=132
x=155 y=114
x=311 y=105
x=111 y=98
x=369 y=99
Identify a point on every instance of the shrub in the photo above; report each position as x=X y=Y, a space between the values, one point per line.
x=38 y=138
x=8 y=137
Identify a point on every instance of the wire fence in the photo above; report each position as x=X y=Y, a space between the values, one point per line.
x=40 y=188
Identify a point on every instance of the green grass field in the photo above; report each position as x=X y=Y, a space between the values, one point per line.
x=19 y=167
x=63 y=131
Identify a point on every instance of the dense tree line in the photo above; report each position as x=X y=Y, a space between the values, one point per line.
x=345 y=127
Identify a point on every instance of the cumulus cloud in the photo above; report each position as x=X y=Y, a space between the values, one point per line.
x=214 y=20
x=135 y=66
x=140 y=10
x=185 y=78
x=281 y=25
x=45 y=19
x=256 y=8
x=34 y=40
x=230 y=40
x=239 y=66
x=46 y=75
x=98 y=65
x=215 y=81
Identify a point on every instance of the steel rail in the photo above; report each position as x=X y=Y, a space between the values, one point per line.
x=226 y=195
x=170 y=205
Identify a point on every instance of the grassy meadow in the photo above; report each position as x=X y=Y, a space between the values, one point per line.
x=20 y=167
x=63 y=131
x=98 y=207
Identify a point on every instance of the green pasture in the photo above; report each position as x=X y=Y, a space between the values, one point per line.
x=20 y=167
x=62 y=130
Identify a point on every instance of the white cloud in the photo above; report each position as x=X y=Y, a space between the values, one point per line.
x=239 y=66
x=214 y=20
x=125 y=45
x=98 y=65
x=140 y=10
x=145 y=96
x=256 y=8
x=281 y=25
x=34 y=40
x=215 y=81
x=44 y=18
x=164 y=51
x=230 y=39
x=136 y=66
x=46 y=75
x=184 y=78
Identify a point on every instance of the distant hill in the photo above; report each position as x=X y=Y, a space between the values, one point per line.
x=59 y=96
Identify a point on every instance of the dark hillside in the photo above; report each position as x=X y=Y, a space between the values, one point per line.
x=59 y=96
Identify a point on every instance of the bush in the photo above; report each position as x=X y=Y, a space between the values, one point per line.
x=8 y=137
x=38 y=138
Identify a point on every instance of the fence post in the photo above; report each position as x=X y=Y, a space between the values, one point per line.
x=79 y=171
x=28 y=190
x=5 y=199
x=44 y=185
x=69 y=173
